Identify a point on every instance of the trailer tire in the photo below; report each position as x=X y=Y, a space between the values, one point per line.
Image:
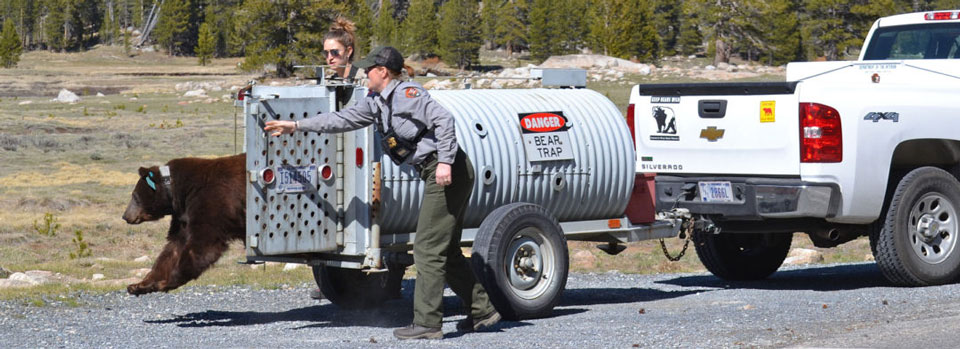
x=356 y=289
x=917 y=245
x=520 y=257
x=742 y=256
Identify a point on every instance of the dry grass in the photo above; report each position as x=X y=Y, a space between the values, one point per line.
x=79 y=162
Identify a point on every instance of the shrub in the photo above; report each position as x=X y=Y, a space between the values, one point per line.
x=49 y=226
x=80 y=246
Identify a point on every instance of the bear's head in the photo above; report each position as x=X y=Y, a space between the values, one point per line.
x=151 y=200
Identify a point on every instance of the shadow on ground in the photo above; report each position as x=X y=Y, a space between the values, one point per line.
x=827 y=278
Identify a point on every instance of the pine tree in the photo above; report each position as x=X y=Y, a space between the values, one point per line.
x=511 y=25
x=420 y=28
x=385 y=28
x=10 y=48
x=176 y=28
x=781 y=32
x=206 y=43
x=667 y=20
x=54 y=25
x=691 y=39
x=283 y=32
x=459 y=35
x=363 y=18
x=826 y=29
x=624 y=29
x=571 y=25
x=542 y=31
x=489 y=20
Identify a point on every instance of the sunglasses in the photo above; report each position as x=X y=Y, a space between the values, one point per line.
x=328 y=53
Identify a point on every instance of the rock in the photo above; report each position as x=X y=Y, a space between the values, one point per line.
x=431 y=75
x=140 y=273
x=803 y=256
x=25 y=103
x=4 y=273
x=495 y=84
x=584 y=259
x=33 y=277
x=142 y=259
x=868 y=257
x=723 y=66
x=195 y=93
x=595 y=61
x=96 y=277
x=429 y=85
x=292 y=266
x=105 y=259
x=8 y=283
x=710 y=67
x=66 y=96
x=99 y=94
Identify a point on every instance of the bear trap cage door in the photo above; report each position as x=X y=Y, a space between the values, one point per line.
x=297 y=184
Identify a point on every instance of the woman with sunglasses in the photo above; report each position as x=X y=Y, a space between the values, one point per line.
x=416 y=130
x=338 y=48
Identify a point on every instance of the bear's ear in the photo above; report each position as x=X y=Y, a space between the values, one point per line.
x=144 y=171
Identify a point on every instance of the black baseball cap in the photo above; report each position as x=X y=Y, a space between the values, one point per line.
x=385 y=56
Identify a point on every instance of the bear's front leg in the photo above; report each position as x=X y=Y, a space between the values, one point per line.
x=157 y=278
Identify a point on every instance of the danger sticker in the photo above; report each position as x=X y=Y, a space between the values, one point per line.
x=545 y=136
x=768 y=111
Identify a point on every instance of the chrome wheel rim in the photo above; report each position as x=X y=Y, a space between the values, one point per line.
x=933 y=228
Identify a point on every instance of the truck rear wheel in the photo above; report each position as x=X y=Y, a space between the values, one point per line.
x=520 y=257
x=917 y=245
x=356 y=289
x=742 y=256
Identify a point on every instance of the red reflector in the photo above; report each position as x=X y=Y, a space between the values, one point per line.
x=359 y=158
x=821 y=137
x=326 y=172
x=939 y=16
x=240 y=95
x=267 y=175
x=630 y=119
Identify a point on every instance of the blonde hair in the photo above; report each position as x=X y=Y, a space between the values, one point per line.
x=343 y=30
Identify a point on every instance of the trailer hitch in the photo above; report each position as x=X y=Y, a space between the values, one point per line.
x=686 y=231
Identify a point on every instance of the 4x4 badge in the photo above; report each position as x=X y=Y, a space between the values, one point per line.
x=877 y=116
x=711 y=133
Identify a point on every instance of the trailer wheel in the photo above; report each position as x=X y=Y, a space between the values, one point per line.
x=356 y=289
x=917 y=245
x=520 y=257
x=742 y=256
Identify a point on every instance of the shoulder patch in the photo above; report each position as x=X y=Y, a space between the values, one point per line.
x=412 y=92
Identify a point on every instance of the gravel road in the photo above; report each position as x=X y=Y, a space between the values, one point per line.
x=848 y=305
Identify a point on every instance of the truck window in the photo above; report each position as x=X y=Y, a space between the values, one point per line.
x=920 y=41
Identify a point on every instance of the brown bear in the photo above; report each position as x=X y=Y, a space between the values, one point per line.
x=206 y=200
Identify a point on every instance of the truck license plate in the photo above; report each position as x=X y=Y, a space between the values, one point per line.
x=715 y=192
x=293 y=179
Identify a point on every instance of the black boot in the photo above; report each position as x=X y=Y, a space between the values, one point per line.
x=470 y=324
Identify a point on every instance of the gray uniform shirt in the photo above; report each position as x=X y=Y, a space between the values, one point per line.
x=411 y=110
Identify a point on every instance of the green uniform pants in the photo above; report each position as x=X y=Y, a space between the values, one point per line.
x=436 y=250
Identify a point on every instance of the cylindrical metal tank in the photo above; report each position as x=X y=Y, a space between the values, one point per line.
x=595 y=183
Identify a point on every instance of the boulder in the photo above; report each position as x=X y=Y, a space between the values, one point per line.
x=594 y=62
x=142 y=259
x=140 y=273
x=65 y=96
x=196 y=93
x=803 y=256
x=33 y=277
x=292 y=266
x=96 y=277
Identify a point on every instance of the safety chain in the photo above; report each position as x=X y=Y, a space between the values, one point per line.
x=686 y=233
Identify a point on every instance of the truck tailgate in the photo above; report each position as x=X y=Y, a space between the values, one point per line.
x=720 y=128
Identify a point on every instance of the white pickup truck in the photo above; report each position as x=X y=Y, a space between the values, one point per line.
x=839 y=150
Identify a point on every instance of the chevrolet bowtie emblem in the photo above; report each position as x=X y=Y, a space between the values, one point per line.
x=711 y=133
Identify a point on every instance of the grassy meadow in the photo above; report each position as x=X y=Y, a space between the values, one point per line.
x=66 y=170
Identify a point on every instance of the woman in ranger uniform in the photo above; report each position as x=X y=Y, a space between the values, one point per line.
x=417 y=130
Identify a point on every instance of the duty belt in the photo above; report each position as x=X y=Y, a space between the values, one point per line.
x=426 y=161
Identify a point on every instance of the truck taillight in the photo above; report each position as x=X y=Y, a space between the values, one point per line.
x=940 y=16
x=267 y=175
x=821 y=137
x=633 y=134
